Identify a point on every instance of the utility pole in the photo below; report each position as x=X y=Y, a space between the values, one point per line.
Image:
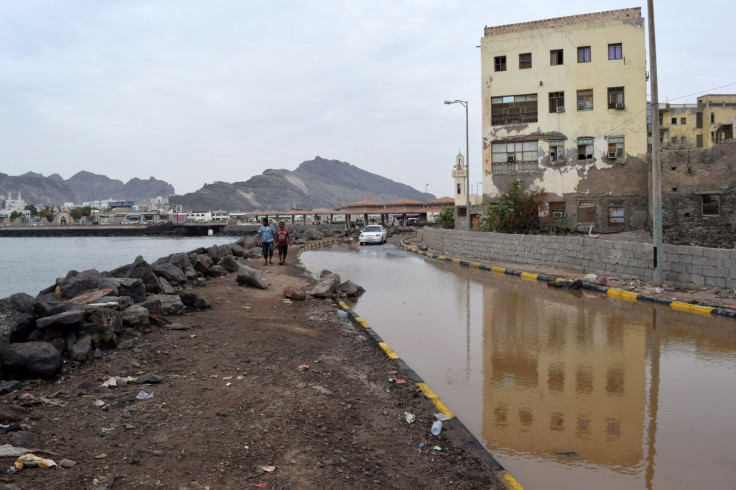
x=658 y=258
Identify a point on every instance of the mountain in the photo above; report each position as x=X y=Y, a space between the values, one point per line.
x=315 y=184
x=83 y=186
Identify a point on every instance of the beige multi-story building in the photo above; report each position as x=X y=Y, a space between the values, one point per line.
x=701 y=125
x=565 y=110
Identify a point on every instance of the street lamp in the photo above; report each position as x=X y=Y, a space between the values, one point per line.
x=464 y=103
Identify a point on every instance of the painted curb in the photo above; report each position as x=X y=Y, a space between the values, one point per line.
x=611 y=292
x=474 y=445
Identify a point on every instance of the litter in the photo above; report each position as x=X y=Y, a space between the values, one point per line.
x=436 y=427
x=437 y=448
x=142 y=395
x=268 y=469
x=303 y=367
x=409 y=417
x=342 y=313
x=118 y=381
x=32 y=461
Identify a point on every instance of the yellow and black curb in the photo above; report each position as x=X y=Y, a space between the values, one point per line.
x=611 y=292
x=475 y=447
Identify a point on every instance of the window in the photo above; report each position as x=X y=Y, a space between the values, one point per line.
x=674 y=121
x=521 y=156
x=557 y=209
x=514 y=109
x=615 y=51
x=585 y=148
x=711 y=204
x=699 y=120
x=555 y=57
x=615 y=97
x=584 y=54
x=459 y=189
x=683 y=120
x=615 y=213
x=615 y=147
x=525 y=61
x=712 y=118
x=699 y=140
x=499 y=63
x=585 y=100
x=557 y=102
x=556 y=151
x=586 y=213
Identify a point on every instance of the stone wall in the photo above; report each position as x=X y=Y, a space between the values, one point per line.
x=684 y=266
x=687 y=175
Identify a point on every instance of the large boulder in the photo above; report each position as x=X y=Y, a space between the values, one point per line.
x=247 y=276
x=202 y=263
x=295 y=294
x=247 y=242
x=164 y=304
x=170 y=272
x=110 y=319
x=17 y=319
x=312 y=234
x=350 y=289
x=140 y=269
x=32 y=358
x=130 y=286
x=61 y=320
x=230 y=264
x=135 y=316
x=237 y=249
x=76 y=283
x=81 y=350
x=50 y=304
x=326 y=287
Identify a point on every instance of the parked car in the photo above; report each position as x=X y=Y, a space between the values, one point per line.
x=373 y=234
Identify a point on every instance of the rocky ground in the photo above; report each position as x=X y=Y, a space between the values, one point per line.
x=255 y=392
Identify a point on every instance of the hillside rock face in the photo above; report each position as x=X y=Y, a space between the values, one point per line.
x=315 y=184
x=83 y=186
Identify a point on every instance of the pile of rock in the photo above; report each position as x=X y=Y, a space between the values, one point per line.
x=87 y=311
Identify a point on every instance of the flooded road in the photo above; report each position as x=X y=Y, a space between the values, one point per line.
x=568 y=389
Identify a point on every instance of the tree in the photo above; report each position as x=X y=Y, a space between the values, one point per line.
x=446 y=218
x=32 y=209
x=516 y=211
x=46 y=213
x=16 y=214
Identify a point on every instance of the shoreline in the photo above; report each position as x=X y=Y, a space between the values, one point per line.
x=254 y=390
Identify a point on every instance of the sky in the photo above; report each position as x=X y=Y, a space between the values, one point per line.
x=193 y=92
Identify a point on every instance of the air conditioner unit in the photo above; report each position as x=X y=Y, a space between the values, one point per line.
x=619 y=105
x=510 y=158
x=560 y=108
x=612 y=155
x=557 y=214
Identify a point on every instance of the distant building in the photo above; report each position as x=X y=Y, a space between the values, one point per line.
x=13 y=205
x=702 y=125
x=565 y=110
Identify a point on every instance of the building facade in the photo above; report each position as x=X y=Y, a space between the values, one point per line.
x=565 y=110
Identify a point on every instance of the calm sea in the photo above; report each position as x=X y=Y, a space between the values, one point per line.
x=29 y=265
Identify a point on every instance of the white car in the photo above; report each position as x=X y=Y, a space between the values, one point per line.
x=372 y=234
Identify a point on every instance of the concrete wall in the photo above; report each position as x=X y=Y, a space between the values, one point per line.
x=684 y=266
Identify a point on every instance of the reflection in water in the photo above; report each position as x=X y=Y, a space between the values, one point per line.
x=566 y=388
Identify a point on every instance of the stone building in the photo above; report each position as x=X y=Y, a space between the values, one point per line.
x=699 y=196
x=565 y=110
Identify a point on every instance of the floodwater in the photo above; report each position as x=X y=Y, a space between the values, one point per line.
x=568 y=389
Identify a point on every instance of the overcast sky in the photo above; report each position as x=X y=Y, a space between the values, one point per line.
x=196 y=91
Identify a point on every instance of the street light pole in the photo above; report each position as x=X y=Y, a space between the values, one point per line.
x=464 y=103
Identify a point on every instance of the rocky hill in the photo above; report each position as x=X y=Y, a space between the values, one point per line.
x=83 y=186
x=315 y=184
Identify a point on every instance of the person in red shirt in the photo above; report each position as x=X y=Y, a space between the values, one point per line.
x=283 y=240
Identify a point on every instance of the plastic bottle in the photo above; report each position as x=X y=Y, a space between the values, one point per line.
x=342 y=313
x=436 y=427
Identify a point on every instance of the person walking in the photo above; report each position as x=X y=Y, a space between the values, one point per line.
x=283 y=240
x=265 y=239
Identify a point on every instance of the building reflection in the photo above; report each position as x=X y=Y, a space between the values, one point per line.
x=564 y=380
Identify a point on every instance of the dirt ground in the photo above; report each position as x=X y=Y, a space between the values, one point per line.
x=256 y=392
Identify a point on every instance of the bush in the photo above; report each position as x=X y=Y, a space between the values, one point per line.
x=446 y=218
x=515 y=212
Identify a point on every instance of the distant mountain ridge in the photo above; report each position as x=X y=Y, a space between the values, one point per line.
x=315 y=184
x=81 y=187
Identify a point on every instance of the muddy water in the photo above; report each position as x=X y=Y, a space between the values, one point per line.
x=568 y=389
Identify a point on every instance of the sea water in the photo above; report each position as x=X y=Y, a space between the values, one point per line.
x=30 y=264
